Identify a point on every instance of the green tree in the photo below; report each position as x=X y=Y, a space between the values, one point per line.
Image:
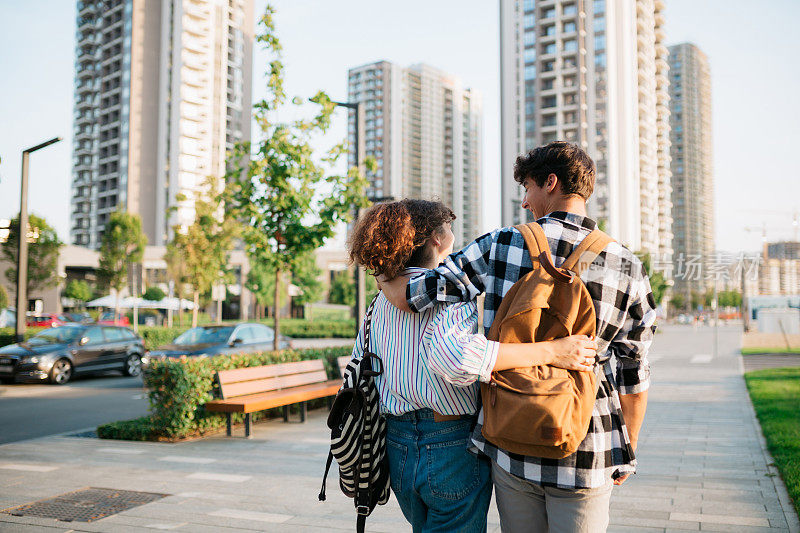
x=79 y=290
x=343 y=289
x=43 y=250
x=122 y=245
x=695 y=300
x=204 y=246
x=658 y=284
x=154 y=294
x=305 y=276
x=730 y=299
x=261 y=282
x=3 y=297
x=289 y=202
x=678 y=300
x=176 y=273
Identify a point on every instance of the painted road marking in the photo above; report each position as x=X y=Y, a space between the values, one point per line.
x=185 y=459
x=701 y=359
x=29 y=468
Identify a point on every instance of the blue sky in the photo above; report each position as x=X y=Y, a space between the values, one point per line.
x=752 y=48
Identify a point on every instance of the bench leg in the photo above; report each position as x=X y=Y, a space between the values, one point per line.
x=247 y=425
x=303 y=412
x=285 y=413
x=228 y=423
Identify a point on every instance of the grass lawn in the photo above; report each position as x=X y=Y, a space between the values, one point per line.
x=776 y=397
x=752 y=351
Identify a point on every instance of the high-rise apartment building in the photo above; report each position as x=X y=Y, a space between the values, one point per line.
x=424 y=130
x=162 y=90
x=692 y=173
x=592 y=72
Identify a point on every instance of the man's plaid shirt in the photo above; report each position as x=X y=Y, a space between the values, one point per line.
x=626 y=316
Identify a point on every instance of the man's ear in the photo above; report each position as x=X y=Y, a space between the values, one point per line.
x=552 y=182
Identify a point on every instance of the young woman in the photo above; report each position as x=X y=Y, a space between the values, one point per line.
x=432 y=364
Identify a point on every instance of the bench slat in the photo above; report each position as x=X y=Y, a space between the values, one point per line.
x=268 y=371
x=243 y=388
x=268 y=400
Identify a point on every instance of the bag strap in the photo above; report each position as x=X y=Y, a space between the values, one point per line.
x=587 y=251
x=539 y=248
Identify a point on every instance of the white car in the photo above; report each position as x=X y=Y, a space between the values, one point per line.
x=8 y=317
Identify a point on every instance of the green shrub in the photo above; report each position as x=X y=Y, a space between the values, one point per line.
x=136 y=429
x=9 y=335
x=178 y=388
x=300 y=328
x=155 y=336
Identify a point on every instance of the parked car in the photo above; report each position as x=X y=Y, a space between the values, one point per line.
x=47 y=320
x=206 y=341
x=107 y=319
x=77 y=318
x=57 y=354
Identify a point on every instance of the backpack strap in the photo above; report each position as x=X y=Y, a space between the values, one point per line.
x=587 y=251
x=539 y=248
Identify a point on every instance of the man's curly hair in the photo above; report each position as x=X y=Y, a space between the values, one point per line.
x=391 y=236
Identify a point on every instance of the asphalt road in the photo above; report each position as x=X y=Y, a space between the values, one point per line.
x=37 y=410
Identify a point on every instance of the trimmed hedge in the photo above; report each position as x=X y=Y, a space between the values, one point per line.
x=300 y=328
x=9 y=335
x=178 y=388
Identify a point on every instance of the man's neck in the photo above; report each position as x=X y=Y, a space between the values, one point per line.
x=570 y=204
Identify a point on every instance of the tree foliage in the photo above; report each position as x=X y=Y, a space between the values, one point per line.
x=658 y=284
x=678 y=300
x=79 y=290
x=3 y=297
x=203 y=247
x=289 y=201
x=343 y=289
x=154 y=294
x=122 y=244
x=43 y=248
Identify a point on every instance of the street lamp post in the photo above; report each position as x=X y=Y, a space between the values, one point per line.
x=360 y=275
x=22 y=256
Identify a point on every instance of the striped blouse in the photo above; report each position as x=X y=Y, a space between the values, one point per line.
x=433 y=359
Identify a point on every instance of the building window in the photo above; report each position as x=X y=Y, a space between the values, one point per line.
x=530 y=90
x=600 y=59
x=530 y=55
x=599 y=6
x=549 y=30
x=529 y=5
x=548 y=66
x=530 y=72
x=529 y=21
x=530 y=107
x=570 y=9
x=571 y=45
x=549 y=13
x=549 y=101
x=569 y=27
x=550 y=48
x=530 y=125
x=600 y=42
x=549 y=120
x=547 y=84
x=530 y=38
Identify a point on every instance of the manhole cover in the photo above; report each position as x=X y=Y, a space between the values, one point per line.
x=85 y=505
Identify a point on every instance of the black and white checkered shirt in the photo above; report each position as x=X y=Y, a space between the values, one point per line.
x=626 y=317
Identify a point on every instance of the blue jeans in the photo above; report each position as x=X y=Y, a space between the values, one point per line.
x=440 y=485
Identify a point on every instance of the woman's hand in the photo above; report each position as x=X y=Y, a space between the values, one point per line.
x=576 y=352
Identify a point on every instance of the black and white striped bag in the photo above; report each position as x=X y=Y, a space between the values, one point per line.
x=358 y=434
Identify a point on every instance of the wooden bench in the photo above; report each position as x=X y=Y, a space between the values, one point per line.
x=247 y=390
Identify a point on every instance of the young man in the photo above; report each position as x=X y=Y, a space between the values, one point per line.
x=571 y=494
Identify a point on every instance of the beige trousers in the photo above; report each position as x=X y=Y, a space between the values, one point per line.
x=526 y=507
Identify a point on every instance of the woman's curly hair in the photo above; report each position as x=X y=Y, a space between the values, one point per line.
x=391 y=236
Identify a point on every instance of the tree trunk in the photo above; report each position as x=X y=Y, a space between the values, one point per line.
x=116 y=306
x=196 y=309
x=180 y=307
x=277 y=327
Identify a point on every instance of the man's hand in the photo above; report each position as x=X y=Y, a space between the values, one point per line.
x=395 y=291
x=621 y=479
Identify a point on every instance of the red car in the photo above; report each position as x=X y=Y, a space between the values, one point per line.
x=48 y=320
x=107 y=319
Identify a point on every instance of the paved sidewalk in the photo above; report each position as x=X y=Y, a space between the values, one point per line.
x=702 y=467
